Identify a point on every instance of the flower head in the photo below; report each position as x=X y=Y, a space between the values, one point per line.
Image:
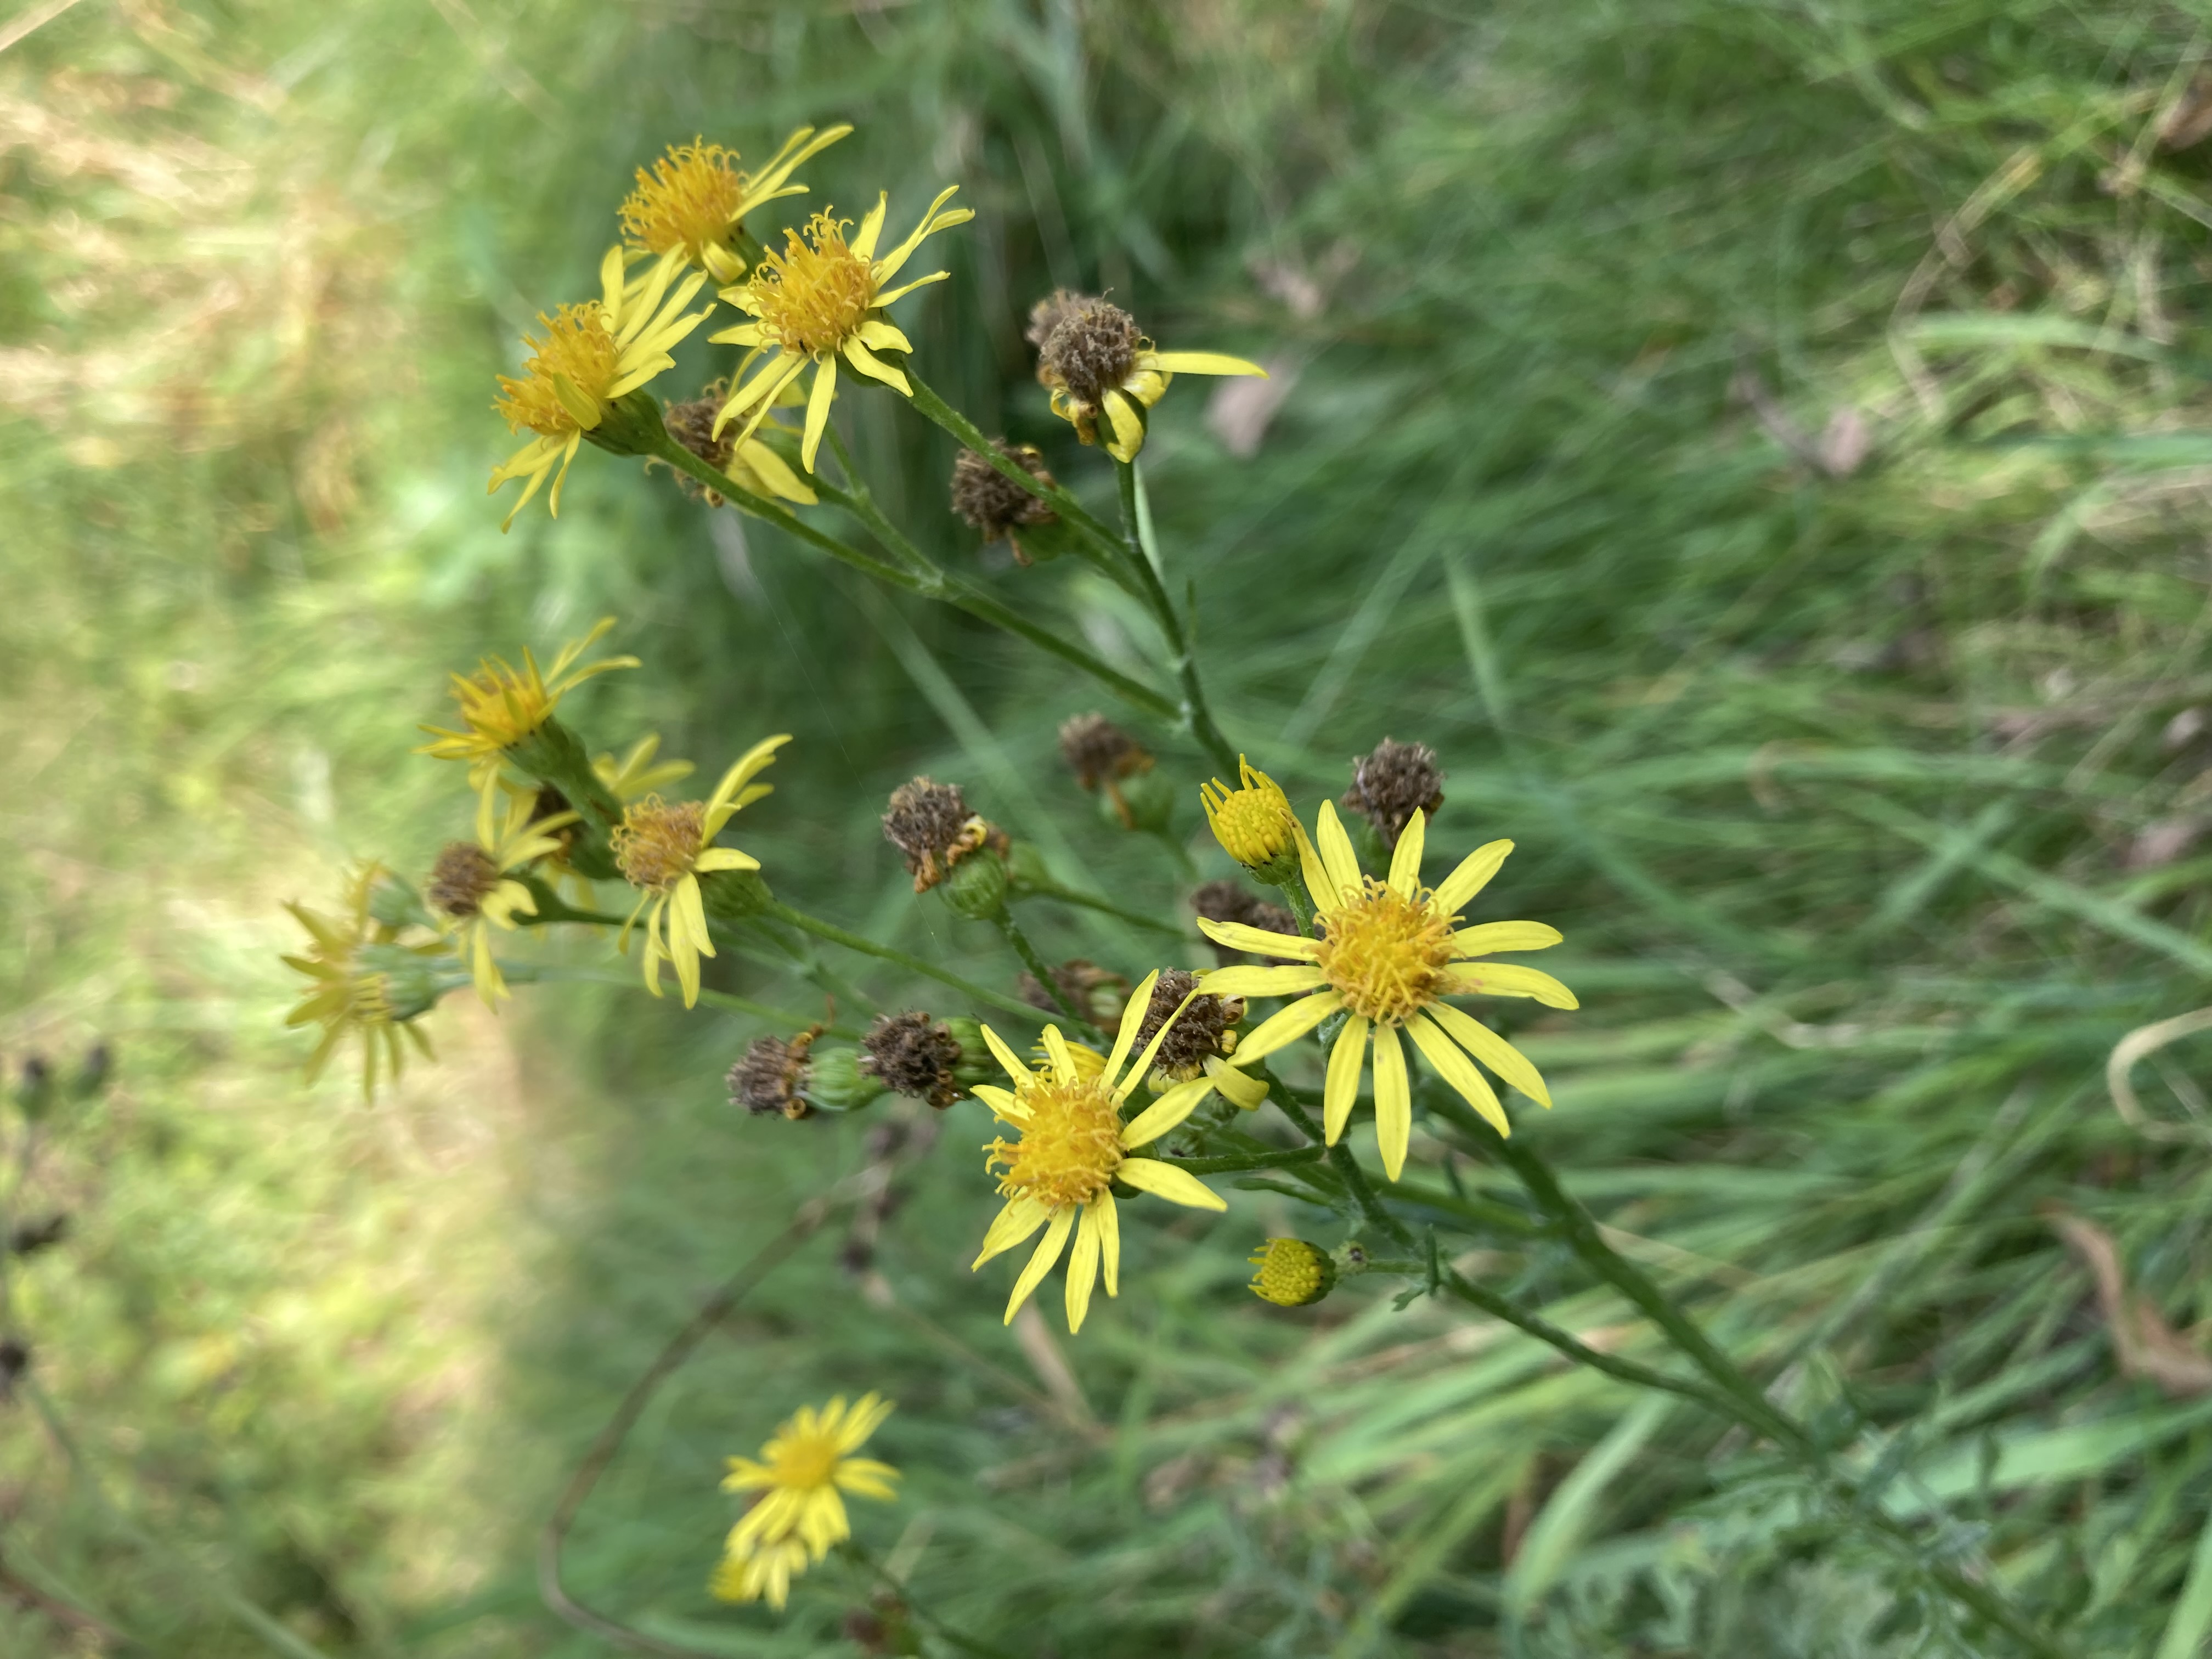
x=693 y=201
x=472 y=889
x=591 y=354
x=500 y=706
x=802 y=1474
x=931 y=825
x=362 y=981
x=1075 y=1146
x=1096 y=361
x=1254 y=822
x=662 y=850
x=1200 y=1042
x=746 y=461
x=914 y=1055
x=993 y=503
x=1291 y=1274
x=1388 y=954
x=1390 y=786
x=771 y=1077
x=820 y=299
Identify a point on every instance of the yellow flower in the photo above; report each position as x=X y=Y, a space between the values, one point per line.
x=695 y=200
x=802 y=1472
x=1291 y=1273
x=1074 y=1146
x=472 y=890
x=349 y=961
x=1096 y=361
x=501 y=705
x=591 y=354
x=1253 y=822
x=820 y=299
x=663 y=850
x=1388 y=952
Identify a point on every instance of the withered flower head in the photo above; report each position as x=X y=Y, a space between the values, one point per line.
x=1098 y=751
x=1228 y=901
x=773 y=1075
x=691 y=423
x=1048 y=314
x=1205 y=1029
x=1392 y=784
x=1093 y=348
x=1096 y=992
x=464 y=877
x=913 y=1054
x=993 y=503
x=931 y=825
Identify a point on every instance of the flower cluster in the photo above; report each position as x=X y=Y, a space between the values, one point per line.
x=801 y=1476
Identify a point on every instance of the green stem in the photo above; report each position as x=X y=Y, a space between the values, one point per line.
x=937 y=1626
x=1069 y=895
x=1231 y=1162
x=836 y=935
x=1340 y=1160
x=857 y=499
x=1010 y=930
x=940 y=586
x=1626 y=1371
x=1299 y=904
x=1197 y=719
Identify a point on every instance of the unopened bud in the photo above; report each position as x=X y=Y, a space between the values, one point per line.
x=1291 y=1274
x=976 y=888
x=836 y=1082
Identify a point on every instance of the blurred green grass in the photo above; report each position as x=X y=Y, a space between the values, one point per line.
x=1867 y=796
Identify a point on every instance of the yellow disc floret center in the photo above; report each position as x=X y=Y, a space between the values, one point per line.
x=1069 y=1148
x=1386 y=954
x=814 y=295
x=803 y=1460
x=686 y=202
x=577 y=347
x=655 y=843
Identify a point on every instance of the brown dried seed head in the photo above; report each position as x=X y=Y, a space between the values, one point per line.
x=691 y=423
x=1098 y=751
x=1096 y=992
x=913 y=1054
x=991 y=502
x=771 y=1077
x=462 y=879
x=1048 y=314
x=1205 y=1029
x=1392 y=784
x=1093 y=348
x=931 y=825
x=1228 y=901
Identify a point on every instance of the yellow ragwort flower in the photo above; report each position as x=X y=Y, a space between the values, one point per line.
x=803 y=1473
x=1096 y=360
x=1253 y=822
x=473 y=889
x=695 y=200
x=591 y=354
x=1074 y=1146
x=821 y=298
x=501 y=705
x=1388 y=954
x=350 y=991
x=663 y=850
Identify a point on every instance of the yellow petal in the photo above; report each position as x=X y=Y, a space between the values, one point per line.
x=902 y=291
x=723 y=858
x=887 y=266
x=1336 y=855
x=1456 y=1069
x=770 y=469
x=1143 y=1061
x=1133 y=1017
x=818 y=410
x=1502 y=979
x=879 y=336
x=1109 y=1241
x=1001 y=1101
x=1163 y=1179
x=1405 y=862
x=1167 y=1112
x=1473 y=875
x=1493 y=1050
x=1256 y=941
x=1010 y=1061
x=1128 y=426
x=1205 y=362
x=1047 y=1252
x=1494 y=936
x=871 y=226
x=1286 y=1026
x=1082 y=1268
x=1240 y=1088
x=1340 y=1088
x=1393 y=1100
x=876 y=369
x=1021 y=1217
x=1318 y=881
x=1055 y=1046
x=1259 y=981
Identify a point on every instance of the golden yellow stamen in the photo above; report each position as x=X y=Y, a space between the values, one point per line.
x=1386 y=954
x=814 y=295
x=1070 y=1144
x=578 y=347
x=686 y=202
x=655 y=844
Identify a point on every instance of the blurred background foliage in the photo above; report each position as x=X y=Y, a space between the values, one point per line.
x=1761 y=446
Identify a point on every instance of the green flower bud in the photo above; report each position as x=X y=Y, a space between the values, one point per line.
x=734 y=894
x=977 y=1064
x=1291 y=1274
x=836 y=1083
x=412 y=981
x=1025 y=869
x=1148 y=799
x=631 y=426
x=976 y=886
